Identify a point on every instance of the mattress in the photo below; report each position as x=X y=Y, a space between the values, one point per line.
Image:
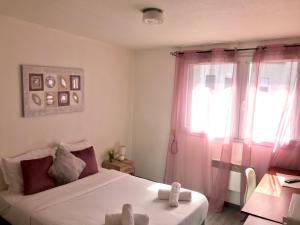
x=86 y=201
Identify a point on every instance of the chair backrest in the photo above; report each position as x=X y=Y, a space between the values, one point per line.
x=250 y=183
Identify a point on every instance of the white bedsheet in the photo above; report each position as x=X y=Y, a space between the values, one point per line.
x=86 y=201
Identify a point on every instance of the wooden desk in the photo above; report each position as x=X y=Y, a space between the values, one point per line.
x=252 y=220
x=270 y=200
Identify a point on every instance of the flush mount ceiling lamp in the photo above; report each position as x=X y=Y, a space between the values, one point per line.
x=152 y=16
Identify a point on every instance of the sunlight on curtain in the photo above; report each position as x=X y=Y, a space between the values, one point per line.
x=276 y=90
x=272 y=111
x=210 y=103
x=203 y=108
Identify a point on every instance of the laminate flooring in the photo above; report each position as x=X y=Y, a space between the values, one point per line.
x=230 y=216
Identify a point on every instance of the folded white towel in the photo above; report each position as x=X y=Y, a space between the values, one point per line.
x=127 y=215
x=141 y=219
x=174 y=194
x=115 y=219
x=164 y=194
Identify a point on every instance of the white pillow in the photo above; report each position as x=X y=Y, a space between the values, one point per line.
x=75 y=146
x=11 y=167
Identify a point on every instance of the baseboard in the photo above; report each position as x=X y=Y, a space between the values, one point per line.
x=232 y=205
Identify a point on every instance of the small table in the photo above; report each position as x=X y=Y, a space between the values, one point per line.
x=125 y=166
x=271 y=200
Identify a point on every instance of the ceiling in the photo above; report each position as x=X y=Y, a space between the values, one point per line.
x=187 y=22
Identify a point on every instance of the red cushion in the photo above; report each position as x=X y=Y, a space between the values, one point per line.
x=35 y=175
x=88 y=156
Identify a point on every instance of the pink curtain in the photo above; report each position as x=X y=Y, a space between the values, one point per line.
x=202 y=123
x=272 y=112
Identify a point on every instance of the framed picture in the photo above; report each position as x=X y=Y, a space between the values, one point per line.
x=36 y=82
x=63 y=98
x=51 y=99
x=75 y=82
x=51 y=90
x=50 y=81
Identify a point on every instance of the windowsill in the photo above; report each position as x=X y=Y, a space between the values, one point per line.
x=234 y=166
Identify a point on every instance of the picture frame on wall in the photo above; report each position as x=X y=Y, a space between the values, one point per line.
x=36 y=82
x=52 y=90
x=63 y=98
x=75 y=82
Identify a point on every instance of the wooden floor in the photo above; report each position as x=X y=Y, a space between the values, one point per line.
x=230 y=216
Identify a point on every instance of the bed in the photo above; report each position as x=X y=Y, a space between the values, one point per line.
x=86 y=201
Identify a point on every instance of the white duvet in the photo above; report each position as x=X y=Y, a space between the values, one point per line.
x=86 y=201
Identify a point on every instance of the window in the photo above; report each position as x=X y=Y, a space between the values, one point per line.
x=275 y=81
x=209 y=99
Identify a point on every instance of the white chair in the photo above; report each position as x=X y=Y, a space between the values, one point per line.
x=250 y=183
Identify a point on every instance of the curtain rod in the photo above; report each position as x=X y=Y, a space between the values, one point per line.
x=233 y=49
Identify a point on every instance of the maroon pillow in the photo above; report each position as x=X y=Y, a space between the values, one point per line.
x=35 y=175
x=88 y=156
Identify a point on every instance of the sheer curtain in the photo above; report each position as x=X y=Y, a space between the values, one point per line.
x=272 y=111
x=203 y=123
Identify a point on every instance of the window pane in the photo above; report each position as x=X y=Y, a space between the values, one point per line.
x=210 y=98
x=276 y=79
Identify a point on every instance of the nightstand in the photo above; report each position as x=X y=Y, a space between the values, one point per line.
x=125 y=166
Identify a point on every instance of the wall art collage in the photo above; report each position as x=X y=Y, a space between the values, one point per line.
x=51 y=90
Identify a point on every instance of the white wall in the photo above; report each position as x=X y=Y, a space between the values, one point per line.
x=108 y=89
x=152 y=109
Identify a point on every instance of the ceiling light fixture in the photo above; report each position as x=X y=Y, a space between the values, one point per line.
x=152 y=16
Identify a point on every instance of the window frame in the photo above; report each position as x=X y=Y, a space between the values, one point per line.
x=243 y=80
x=243 y=65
